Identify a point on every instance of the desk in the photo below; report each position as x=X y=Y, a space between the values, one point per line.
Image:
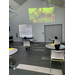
x=12 y=51
x=27 y=38
x=51 y=40
x=53 y=47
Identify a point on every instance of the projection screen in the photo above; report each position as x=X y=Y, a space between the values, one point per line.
x=42 y=15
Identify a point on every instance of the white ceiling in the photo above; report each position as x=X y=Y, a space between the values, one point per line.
x=15 y=4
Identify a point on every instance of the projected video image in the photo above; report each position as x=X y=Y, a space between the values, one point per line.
x=41 y=15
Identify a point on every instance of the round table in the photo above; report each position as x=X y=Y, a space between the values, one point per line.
x=53 y=47
x=12 y=51
x=12 y=61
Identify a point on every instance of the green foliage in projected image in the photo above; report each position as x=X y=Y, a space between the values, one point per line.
x=42 y=15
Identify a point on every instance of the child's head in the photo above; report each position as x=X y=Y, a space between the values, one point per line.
x=56 y=37
x=24 y=37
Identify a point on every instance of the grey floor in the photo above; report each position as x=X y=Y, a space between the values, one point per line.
x=32 y=58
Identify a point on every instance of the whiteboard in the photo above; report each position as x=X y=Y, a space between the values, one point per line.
x=25 y=30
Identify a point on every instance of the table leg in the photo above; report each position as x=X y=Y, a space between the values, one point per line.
x=12 y=67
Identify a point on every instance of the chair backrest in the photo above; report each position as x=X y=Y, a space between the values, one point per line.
x=26 y=44
x=55 y=54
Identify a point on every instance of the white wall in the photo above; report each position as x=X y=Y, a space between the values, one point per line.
x=22 y=17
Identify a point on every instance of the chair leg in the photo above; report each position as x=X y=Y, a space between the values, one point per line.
x=50 y=63
x=60 y=63
x=50 y=66
x=24 y=50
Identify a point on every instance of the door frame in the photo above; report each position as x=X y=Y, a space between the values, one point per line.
x=51 y=25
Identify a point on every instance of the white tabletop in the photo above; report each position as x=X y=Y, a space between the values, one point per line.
x=53 y=47
x=14 y=50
